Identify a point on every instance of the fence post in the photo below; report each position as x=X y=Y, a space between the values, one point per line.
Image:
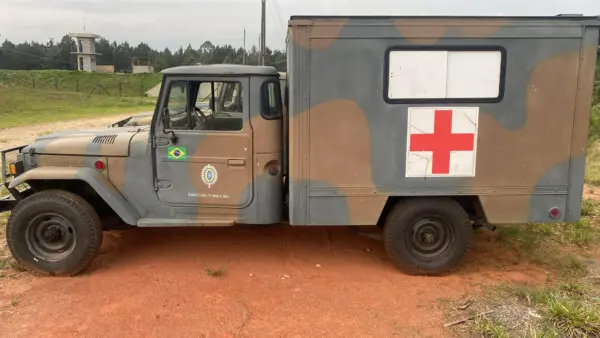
x=77 y=85
x=55 y=84
x=33 y=82
x=120 y=88
x=142 y=86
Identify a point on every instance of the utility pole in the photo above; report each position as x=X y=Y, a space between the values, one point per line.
x=262 y=33
x=244 y=55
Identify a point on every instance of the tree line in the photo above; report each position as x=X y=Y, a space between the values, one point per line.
x=57 y=55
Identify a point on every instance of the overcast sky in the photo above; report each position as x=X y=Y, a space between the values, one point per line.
x=173 y=23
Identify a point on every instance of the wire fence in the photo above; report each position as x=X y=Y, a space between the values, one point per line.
x=113 y=86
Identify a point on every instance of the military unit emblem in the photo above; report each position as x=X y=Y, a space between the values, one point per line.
x=209 y=175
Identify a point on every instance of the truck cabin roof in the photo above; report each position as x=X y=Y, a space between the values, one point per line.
x=222 y=70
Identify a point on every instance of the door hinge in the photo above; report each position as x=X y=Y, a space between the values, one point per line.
x=161 y=184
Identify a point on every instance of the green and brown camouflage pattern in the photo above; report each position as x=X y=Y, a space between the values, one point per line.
x=341 y=144
x=531 y=146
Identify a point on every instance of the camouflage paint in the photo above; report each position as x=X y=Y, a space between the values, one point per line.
x=346 y=144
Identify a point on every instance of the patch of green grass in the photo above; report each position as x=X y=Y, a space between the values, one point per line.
x=115 y=84
x=5 y=259
x=214 y=273
x=21 y=106
x=590 y=207
x=569 y=308
x=490 y=328
x=573 y=318
x=529 y=237
x=592 y=170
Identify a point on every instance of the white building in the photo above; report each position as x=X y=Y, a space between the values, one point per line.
x=86 y=51
x=142 y=64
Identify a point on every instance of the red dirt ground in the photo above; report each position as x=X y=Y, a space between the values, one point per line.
x=278 y=281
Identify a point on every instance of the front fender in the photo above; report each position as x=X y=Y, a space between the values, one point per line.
x=96 y=180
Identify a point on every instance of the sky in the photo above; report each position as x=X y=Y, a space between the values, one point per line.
x=174 y=23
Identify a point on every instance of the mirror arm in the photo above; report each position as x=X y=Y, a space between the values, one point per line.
x=174 y=138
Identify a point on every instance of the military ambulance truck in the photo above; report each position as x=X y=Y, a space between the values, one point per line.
x=426 y=127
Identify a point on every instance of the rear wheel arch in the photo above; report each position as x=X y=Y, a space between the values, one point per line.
x=470 y=204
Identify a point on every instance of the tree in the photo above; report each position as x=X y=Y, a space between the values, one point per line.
x=51 y=55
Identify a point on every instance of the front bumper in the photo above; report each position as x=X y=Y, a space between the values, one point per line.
x=7 y=203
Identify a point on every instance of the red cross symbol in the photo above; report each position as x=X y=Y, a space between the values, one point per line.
x=442 y=142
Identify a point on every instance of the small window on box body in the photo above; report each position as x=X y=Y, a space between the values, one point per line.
x=445 y=75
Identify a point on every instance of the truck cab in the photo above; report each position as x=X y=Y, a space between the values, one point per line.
x=211 y=155
x=217 y=143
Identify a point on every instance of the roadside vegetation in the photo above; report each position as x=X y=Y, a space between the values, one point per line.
x=567 y=304
x=107 y=84
x=19 y=106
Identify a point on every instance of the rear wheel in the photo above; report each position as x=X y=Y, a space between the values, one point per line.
x=54 y=232
x=427 y=236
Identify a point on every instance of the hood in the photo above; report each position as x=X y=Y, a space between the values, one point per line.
x=90 y=142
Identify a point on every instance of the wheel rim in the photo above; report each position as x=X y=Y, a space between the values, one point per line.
x=50 y=237
x=430 y=237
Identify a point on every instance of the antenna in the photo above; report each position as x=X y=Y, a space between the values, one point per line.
x=244 y=55
x=83 y=18
x=262 y=33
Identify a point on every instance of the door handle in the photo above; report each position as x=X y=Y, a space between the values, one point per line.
x=236 y=162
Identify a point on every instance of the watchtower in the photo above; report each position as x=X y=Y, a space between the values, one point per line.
x=86 y=51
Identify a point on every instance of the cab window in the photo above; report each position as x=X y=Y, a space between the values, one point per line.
x=270 y=101
x=205 y=105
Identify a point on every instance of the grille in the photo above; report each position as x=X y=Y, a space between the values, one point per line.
x=105 y=139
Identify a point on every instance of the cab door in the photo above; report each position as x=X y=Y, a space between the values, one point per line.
x=204 y=153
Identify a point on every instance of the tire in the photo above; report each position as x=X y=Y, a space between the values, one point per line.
x=441 y=221
x=54 y=233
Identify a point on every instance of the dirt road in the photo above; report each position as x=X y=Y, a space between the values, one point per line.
x=277 y=281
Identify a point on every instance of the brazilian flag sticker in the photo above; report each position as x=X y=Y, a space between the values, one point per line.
x=177 y=153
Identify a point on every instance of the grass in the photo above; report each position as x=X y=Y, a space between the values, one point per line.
x=21 y=106
x=115 y=84
x=5 y=258
x=567 y=309
x=490 y=328
x=214 y=273
x=592 y=170
x=568 y=303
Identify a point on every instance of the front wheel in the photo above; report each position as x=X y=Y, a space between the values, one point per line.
x=54 y=232
x=427 y=236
